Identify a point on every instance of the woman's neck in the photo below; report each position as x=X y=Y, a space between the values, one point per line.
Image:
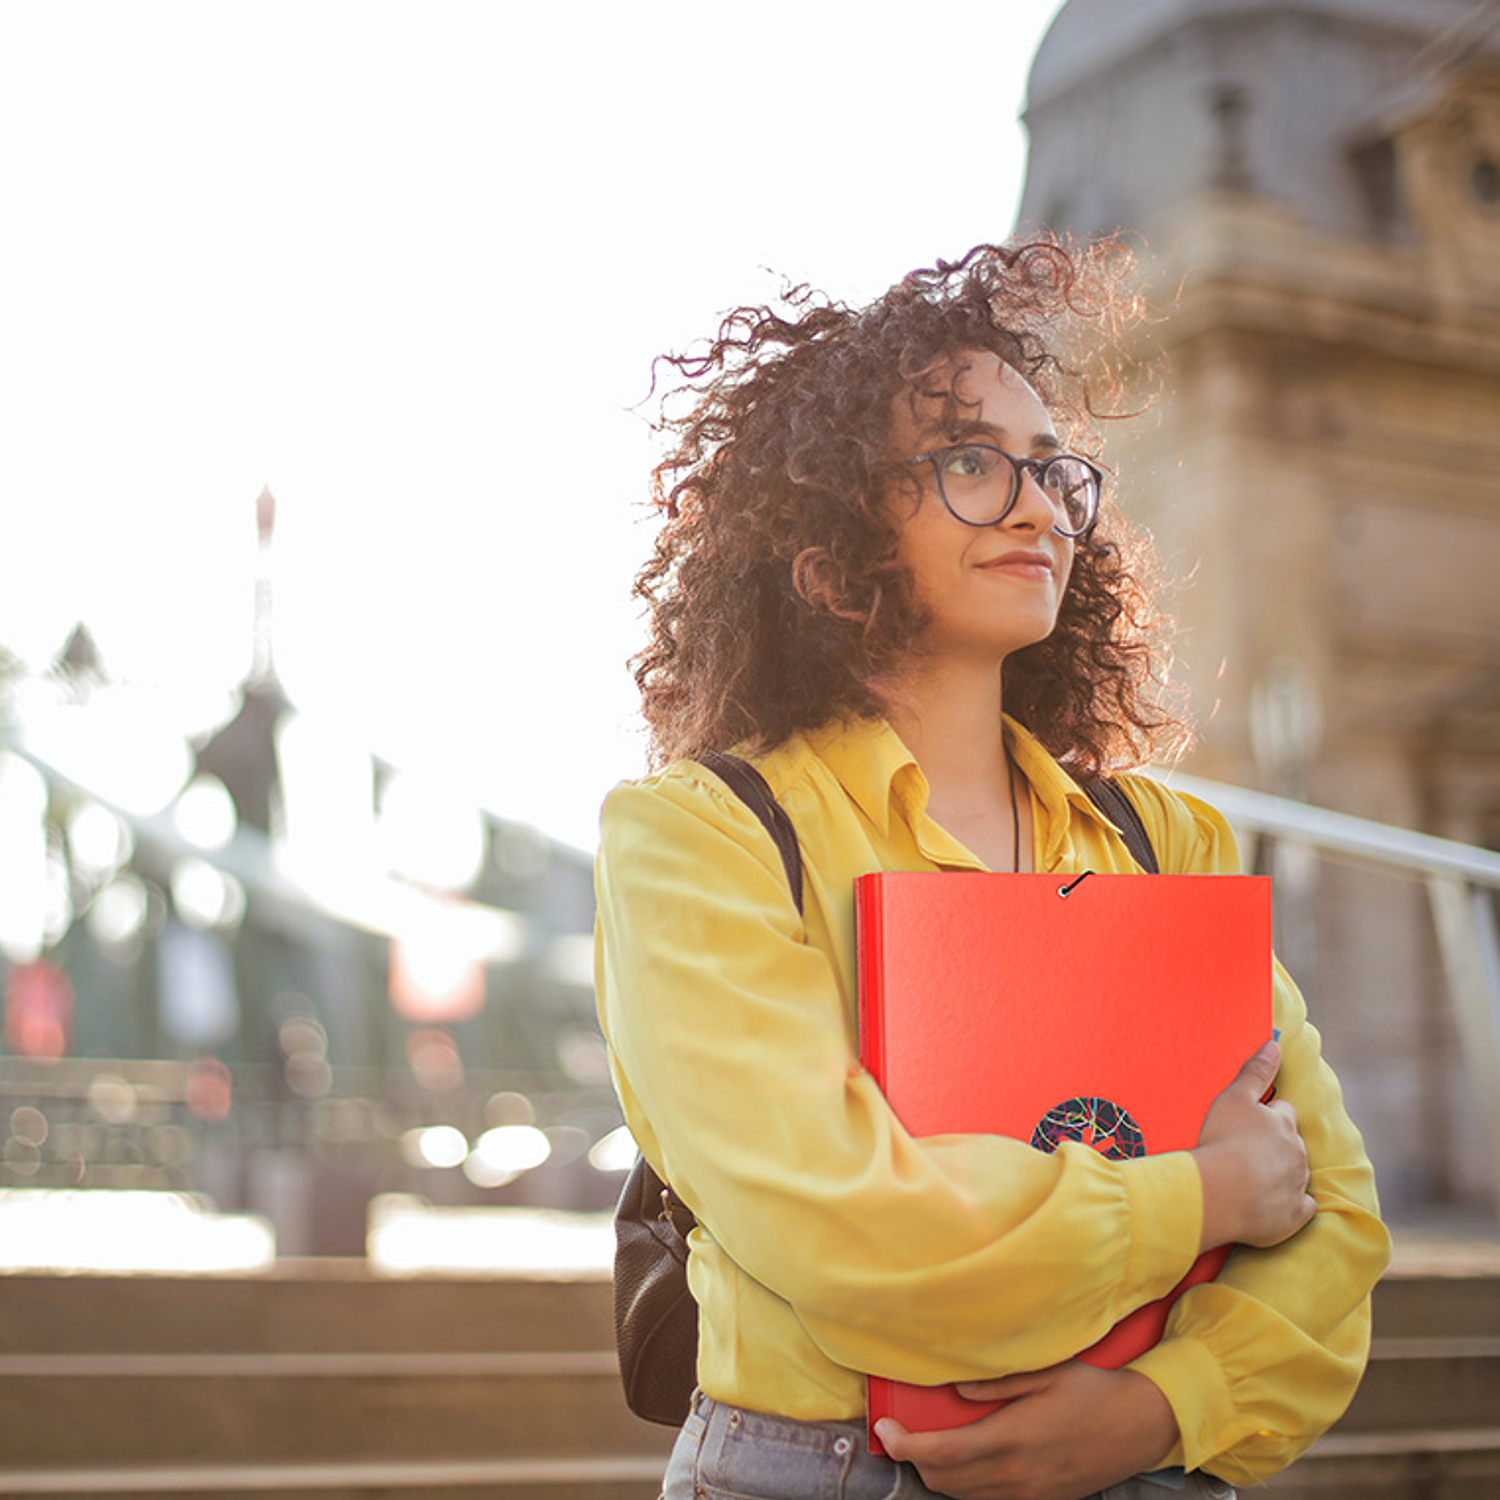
x=948 y=716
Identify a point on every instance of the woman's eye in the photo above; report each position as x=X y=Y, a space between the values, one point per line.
x=968 y=463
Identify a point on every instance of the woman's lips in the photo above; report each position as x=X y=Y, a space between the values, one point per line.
x=1023 y=564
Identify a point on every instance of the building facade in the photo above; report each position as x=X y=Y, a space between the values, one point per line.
x=1314 y=189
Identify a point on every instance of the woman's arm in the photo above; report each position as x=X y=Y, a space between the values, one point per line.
x=1255 y=1375
x=1256 y=1364
x=1067 y=1432
x=1261 y=1361
x=733 y=1050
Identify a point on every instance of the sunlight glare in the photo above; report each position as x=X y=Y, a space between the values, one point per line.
x=97 y=1229
x=117 y=746
x=407 y=1236
x=430 y=836
x=24 y=886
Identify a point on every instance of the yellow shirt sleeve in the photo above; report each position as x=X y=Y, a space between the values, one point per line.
x=735 y=1060
x=1259 y=1362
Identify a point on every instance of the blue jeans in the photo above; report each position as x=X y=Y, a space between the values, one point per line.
x=728 y=1453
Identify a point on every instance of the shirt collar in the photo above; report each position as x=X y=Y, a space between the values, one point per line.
x=872 y=764
x=1061 y=798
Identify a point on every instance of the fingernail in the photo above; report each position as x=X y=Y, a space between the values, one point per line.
x=1276 y=1033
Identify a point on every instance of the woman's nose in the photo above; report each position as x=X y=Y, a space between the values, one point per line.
x=1035 y=507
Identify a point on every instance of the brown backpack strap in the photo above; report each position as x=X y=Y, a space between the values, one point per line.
x=750 y=787
x=1110 y=798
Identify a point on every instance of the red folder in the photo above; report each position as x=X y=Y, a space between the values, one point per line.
x=1112 y=1014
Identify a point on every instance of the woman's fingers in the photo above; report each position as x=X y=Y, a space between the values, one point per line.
x=1253 y=1161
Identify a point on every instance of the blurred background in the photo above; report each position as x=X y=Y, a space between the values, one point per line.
x=328 y=337
x=325 y=346
x=326 y=365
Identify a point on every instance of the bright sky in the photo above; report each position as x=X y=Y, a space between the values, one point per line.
x=408 y=264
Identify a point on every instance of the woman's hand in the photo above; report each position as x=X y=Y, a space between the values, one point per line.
x=1253 y=1162
x=1068 y=1431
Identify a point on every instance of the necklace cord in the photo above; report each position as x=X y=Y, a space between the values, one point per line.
x=1015 y=815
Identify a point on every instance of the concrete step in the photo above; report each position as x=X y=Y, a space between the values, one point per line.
x=1428 y=1383
x=324 y=1380
x=1401 y=1464
x=1437 y=1306
x=613 y=1478
x=301 y=1307
x=1425 y=1423
x=162 y=1409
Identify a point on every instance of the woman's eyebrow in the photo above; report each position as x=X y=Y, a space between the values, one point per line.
x=1044 y=442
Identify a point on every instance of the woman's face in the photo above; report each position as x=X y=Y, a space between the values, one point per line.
x=986 y=590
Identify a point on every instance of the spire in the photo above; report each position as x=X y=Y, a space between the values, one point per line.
x=262 y=662
x=1229 y=103
x=243 y=753
x=80 y=656
x=78 y=668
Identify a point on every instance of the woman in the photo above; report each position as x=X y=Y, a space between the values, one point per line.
x=882 y=577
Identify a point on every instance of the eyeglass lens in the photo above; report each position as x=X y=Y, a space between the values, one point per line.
x=980 y=484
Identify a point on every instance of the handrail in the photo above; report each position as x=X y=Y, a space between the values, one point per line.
x=1341 y=833
x=1460 y=881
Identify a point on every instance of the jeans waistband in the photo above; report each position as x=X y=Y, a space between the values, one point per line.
x=741 y=1452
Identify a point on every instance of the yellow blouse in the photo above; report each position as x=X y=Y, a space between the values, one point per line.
x=829 y=1242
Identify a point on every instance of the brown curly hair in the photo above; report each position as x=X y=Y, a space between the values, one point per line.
x=775 y=599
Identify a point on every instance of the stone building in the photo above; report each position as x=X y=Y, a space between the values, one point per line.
x=1315 y=187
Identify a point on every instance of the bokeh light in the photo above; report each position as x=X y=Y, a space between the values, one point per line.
x=205 y=813
x=118 y=913
x=100 y=841
x=435 y=1146
x=615 y=1152
x=434 y=1059
x=209 y=1089
x=205 y=896
x=504 y=1153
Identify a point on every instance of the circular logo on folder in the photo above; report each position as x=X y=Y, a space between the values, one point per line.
x=1095 y=1122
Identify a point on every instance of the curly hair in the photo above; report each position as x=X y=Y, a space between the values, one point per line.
x=775 y=599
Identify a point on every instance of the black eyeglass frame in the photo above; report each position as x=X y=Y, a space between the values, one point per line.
x=1019 y=468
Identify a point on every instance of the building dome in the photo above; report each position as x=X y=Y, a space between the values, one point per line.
x=1133 y=106
x=1090 y=36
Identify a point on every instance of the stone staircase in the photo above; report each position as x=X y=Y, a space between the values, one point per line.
x=323 y=1381
x=318 y=1382
x=1425 y=1423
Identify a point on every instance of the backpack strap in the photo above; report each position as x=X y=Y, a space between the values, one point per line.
x=750 y=787
x=1110 y=798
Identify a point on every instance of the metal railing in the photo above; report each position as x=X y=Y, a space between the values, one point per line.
x=1460 y=881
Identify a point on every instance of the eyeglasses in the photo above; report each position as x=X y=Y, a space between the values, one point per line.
x=980 y=484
